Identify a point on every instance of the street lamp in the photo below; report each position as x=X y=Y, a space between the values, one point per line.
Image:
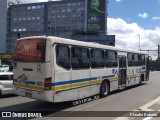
x=139 y=41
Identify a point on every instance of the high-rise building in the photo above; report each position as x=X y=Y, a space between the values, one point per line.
x=3 y=18
x=4 y=4
x=65 y=18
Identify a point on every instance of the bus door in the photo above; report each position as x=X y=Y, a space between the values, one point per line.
x=122 y=71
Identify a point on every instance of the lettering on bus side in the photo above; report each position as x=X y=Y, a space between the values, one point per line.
x=39 y=83
x=22 y=78
x=99 y=78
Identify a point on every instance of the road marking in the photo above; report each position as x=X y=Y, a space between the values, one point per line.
x=142 y=108
x=147 y=118
x=149 y=104
x=121 y=118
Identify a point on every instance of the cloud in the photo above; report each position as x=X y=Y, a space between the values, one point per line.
x=120 y=26
x=126 y=36
x=118 y=0
x=143 y=15
x=156 y=18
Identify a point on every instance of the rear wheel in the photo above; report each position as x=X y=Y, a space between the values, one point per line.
x=104 y=89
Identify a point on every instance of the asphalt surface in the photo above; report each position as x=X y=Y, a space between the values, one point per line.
x=129 y=100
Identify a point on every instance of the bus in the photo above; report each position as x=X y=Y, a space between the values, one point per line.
x=56 y=69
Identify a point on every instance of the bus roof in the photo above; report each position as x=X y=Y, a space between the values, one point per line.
x=82 y=43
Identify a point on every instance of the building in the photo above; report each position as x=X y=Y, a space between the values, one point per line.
x=3 y=17
x=13 y=2
x=56 y=18
x=101 y=39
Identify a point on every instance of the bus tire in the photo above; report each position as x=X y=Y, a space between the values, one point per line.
x=104 y=89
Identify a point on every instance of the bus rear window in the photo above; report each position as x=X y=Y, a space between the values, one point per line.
x=30 y=50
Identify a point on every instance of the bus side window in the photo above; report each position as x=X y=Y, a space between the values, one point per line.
x=136 y=61
x=63 y=56
x=143 y=59
x=139 y=60
x=80 y=58
x=130 y=59
x=111 y=58
x=97 y=58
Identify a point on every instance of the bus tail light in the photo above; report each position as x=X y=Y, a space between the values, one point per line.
x=48 y=83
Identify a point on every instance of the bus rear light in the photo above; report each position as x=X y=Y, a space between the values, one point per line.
x=48 y=83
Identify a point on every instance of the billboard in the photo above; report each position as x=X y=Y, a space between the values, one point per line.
x=96 y=17
x=30 y=50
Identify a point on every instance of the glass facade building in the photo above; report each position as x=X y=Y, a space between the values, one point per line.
x=53 y=18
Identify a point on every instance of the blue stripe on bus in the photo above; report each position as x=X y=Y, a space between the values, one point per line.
x=72 y=81
x=79 y=80
x=31 y=82
x=60 y=83
x=104 y=77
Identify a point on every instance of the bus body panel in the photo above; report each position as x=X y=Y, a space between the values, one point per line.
x=62 y=81
x=67 y=95
x=29 y=77
x=114 y=79
x=70 y=84
x=79 y=79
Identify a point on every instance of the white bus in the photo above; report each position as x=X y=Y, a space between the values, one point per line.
x=56 y=69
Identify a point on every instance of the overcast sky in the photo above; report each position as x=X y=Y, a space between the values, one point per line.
x=129 y=19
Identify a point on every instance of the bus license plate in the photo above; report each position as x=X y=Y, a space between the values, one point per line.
x=28 y=94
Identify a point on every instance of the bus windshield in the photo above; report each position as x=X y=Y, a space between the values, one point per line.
x=30 y=50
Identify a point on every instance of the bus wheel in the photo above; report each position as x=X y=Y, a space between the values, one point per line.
x=104 y=89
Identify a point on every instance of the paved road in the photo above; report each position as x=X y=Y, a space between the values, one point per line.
x=126 y=100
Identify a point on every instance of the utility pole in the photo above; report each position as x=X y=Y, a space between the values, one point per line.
x=139 y=42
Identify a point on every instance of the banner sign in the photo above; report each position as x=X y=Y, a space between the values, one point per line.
x=96 y=16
